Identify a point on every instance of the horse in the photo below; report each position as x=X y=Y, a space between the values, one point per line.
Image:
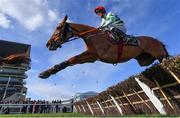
x=99 y=47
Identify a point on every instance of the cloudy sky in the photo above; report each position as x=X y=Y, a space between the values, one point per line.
x=33 y=21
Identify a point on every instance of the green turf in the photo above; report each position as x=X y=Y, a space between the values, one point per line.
x=45 y=115
x=77 y=115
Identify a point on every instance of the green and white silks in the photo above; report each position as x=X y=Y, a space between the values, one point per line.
x=113 y=21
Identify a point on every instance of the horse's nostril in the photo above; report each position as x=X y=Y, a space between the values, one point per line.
x=47 y=45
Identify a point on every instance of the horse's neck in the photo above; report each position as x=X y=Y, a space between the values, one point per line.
x=80 y=28
x=89 y=35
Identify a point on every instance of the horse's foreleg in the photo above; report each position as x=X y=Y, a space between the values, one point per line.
x=85 y=57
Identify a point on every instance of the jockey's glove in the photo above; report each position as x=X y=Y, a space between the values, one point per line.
x=100 y=28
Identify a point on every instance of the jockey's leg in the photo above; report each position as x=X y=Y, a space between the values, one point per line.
x=85 y=57
x=117 y=34
x=120 y=33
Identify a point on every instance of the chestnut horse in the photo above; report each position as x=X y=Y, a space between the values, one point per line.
x=100 y=48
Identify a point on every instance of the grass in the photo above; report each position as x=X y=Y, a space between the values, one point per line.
x=77 y=115
x=45 y=115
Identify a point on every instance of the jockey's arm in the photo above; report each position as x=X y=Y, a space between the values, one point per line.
x=112 y=19
x=105 y=23
x=109 y=20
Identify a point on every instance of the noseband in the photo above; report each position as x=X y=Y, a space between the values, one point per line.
x=65 y=29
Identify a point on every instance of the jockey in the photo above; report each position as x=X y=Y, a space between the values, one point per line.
x=111 y=22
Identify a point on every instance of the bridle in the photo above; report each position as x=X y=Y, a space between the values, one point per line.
x=67 y=28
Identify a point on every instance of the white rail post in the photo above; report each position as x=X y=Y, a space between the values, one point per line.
x=79 y=108
x=155 y=101
x=75 y=109
x=83 y=108
x=90 y=108
x=100 y=107
x=117 y=105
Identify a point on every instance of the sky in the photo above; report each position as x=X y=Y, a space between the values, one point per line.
x=33 y=22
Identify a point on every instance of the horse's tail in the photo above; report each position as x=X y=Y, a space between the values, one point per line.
x=164 y=46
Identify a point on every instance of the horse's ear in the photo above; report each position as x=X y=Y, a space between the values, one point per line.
x=64 y=19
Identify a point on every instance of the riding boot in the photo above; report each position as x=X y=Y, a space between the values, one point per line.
x=131 y=40
x=128 y=39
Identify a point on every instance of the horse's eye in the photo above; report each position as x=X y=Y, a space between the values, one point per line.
x=56 y=32
x=58 y=28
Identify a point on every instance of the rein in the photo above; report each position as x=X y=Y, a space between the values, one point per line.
x=81 y=34
x=85 y=32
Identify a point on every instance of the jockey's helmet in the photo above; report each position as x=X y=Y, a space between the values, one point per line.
x=99 y=9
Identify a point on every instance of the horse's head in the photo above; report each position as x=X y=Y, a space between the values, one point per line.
x=61 y=35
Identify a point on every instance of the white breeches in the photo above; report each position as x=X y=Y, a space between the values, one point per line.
x=121 y=27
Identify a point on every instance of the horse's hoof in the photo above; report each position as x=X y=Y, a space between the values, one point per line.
x=44 y=75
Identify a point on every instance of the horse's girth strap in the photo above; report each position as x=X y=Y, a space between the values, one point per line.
x=120 y=49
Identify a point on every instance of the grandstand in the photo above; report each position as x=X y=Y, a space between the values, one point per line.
x=12 y=70
x=82 y=96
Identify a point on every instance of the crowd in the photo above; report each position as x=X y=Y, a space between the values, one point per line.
x=25 y=102
x=33 y=106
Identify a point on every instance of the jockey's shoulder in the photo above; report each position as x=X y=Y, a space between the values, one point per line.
x=110 y=14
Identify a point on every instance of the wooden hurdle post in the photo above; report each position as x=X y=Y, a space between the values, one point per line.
x=121 y=105
x=100 y=107
x=129 y=100
x=175 y=77
x=142 y=99
x=79 y=108
x=164 y=95
x=83 y=108
x=155 y=101
x=90 y=107
x=106 y=106
x=76 y=109
x=117 y=105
